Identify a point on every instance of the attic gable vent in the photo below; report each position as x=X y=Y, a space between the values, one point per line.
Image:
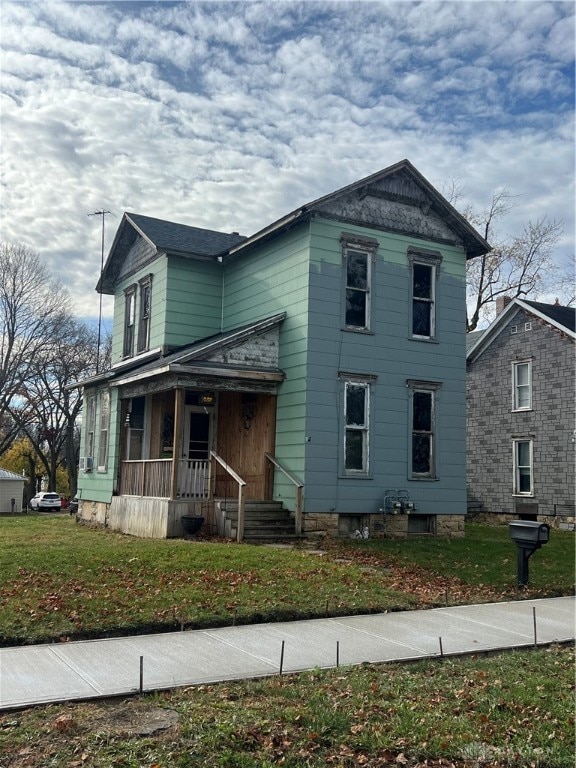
x=513 y=329
x=528 y=326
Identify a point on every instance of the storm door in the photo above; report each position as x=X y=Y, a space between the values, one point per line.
x=193 y=474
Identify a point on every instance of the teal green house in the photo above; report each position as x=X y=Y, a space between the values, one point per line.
x=311 y=375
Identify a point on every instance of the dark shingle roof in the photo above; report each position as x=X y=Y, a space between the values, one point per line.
x=472 y=338
x=563 y=315
x=181 y=238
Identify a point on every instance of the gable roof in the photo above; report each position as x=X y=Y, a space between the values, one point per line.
x=400 y=182
x=561 y=318
x=163 y=236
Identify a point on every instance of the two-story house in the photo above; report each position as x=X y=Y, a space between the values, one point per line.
x=521 y=413
x=319 y=363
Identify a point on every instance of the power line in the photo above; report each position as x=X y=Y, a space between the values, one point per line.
x=102 y=213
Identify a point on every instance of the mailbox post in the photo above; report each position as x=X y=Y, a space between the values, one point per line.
x=528 y=537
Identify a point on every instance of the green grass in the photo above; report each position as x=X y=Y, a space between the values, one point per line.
x=486 y=557
x=512 y=710
x=60 y=580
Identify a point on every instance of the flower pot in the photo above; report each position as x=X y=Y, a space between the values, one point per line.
x=192 y=525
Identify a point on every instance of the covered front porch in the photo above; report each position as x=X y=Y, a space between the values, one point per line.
x=184 y=449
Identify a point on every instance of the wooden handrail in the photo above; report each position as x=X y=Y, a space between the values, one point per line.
x=241 y=488
x=299 y=486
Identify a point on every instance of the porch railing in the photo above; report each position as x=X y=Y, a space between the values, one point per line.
x=241 y=492
x=193 y=479
x=146 y=478
x=152 y=477
x=299 y=492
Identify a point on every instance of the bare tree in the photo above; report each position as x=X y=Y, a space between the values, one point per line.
x=47 y=409
x=32 y=313
x=515 y=267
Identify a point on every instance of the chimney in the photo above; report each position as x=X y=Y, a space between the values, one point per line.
x=501 y=303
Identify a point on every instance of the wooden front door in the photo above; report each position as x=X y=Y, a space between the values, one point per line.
x=246 y=431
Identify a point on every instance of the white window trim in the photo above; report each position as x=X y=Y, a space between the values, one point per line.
x=516 y=466
x=90 y=426
x=515 y=385
x=129 y=321
x=433 y=261
x=366 y=381
x=104 y=430
x=143 y=343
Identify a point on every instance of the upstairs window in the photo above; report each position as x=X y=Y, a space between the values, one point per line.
x=423 y=275
x=144 y=319
x=129 y=319
x=522 y=386
x=359 y=258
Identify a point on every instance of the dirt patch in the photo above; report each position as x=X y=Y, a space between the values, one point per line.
x=113 y=718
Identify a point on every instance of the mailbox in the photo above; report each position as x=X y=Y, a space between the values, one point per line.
x=528 y=536
x=529 y=531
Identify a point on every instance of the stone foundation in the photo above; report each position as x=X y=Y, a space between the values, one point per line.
x=384 y=526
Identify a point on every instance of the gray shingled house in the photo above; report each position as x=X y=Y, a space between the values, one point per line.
x=521 y=413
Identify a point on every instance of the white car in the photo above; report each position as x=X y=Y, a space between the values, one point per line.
x=46 y=501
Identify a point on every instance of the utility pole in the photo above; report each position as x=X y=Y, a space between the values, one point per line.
x=102 y=213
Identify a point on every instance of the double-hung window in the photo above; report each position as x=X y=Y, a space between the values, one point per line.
x=90 y=426
x=144 y=315
x=129 y=320
x=422 y=417
x=523 y=468
x=522 y=386
x=359 y=259
x=104 y=422
x=356 y=403
x=424 y=269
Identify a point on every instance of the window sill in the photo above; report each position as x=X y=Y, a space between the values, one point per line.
x=365 y=331
x=357 y=476
x=523 y=495
x=418 y=479
x=522 y=410
x=425 y=339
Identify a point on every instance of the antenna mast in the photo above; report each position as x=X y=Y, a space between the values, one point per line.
x=102 y=213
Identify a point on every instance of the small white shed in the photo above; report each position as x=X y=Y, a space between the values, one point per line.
x=11 y=492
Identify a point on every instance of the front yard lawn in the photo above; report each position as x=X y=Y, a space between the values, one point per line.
x=60 y=580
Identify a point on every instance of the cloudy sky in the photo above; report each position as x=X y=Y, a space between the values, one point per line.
x=227 y=115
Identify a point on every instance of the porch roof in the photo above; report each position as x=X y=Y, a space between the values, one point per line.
x=197 y=359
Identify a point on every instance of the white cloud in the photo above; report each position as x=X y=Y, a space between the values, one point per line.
x=229 y=115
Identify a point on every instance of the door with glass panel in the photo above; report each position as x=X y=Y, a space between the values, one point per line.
x=193 y=477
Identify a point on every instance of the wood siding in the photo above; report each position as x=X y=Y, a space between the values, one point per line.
x=275 y=279
x=243 y=443
x=193 y=301
x=391 y=357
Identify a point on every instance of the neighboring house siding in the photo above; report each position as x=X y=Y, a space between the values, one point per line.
x=192 y=301
x=392 y=358
x=275 y=279
x=549 y=424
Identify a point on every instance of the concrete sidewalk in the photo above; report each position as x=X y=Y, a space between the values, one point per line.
x=98 y=668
